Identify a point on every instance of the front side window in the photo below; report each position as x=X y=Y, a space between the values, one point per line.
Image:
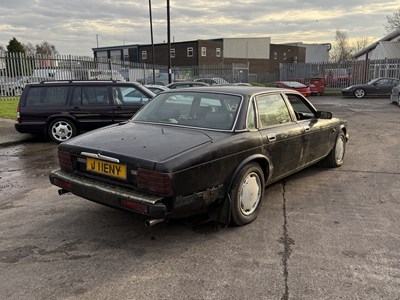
x=128 y=95
x=301 y=110
x=47 y=96
x=272 y=110
x=189 y=51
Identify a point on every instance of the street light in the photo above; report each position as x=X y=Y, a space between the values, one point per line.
x=169 y=44
x=152 y=43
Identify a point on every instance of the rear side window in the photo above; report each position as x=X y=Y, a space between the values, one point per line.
x=47 y=96
x=91 y=95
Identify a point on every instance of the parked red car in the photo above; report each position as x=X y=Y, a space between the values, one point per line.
x=317 y=86
x=293 y=85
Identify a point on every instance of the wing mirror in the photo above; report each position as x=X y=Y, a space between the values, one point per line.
x=324 y=115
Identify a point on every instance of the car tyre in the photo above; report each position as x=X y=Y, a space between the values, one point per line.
x=359 y=93
x=336 y=156
x=61 y=130
x=246 y=194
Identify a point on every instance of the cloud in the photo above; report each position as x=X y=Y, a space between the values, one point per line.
x=72 y=26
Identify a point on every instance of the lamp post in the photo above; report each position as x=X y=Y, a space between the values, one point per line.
x=152 y=43
x=169 y=44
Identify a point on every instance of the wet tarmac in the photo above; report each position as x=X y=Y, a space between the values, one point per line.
x=321 y=233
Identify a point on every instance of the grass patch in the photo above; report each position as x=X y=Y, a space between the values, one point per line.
x=333 y=92
x=8 y=107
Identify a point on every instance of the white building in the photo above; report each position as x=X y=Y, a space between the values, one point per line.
x=387 y=47
x=315 y=53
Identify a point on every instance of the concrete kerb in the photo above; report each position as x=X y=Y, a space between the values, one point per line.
x=9 y=135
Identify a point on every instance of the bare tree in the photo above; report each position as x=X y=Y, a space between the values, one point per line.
x=2 y=49
x=360 y=45
x=46 y=48
x=30 y=50
x=393 y=21
x=341 y=49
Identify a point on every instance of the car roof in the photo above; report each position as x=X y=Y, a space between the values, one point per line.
x=232 y=89
x=82 y=82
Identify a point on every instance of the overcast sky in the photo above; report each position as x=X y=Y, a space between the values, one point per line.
x=73 y=25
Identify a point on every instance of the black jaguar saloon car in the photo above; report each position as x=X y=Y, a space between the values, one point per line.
x=195 y=150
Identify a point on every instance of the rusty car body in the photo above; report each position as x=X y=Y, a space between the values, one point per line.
x=208 y=149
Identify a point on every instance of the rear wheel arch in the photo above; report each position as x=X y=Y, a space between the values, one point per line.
x=261 y=160
x=246 y=194
x=56 y=118
x=51 y=118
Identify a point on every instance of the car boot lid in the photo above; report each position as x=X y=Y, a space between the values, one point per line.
x=145 y=142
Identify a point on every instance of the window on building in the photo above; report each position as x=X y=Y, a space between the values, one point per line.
x=115 y=55
x=172 y=53
x=126 y=54
x=284 y=55
x=275 y=55
x=144 y=54
x=203 y=51
x=189 y=51
x=218 y=51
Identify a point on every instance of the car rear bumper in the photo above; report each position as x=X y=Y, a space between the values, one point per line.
x=109 y=195
x=146 y=204
x=38 y=128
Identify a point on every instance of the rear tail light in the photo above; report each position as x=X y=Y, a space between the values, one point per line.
x=136 y=206
x=18 y=115
x=65 y=161
x=154 y=181
x=62 y=184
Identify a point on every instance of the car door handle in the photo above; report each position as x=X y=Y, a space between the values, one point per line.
x=306 y=128
x=271 y=137
x=76 y=108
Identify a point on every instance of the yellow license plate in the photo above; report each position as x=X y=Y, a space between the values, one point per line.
x=106 y=168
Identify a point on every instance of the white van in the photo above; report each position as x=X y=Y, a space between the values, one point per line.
x=98 y=74
x=50 y=74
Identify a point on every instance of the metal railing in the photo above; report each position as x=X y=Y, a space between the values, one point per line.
x=18 y=69
x=339 y=75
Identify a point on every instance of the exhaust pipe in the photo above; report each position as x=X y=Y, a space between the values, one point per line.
x=151 y=222
x=62 y=191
